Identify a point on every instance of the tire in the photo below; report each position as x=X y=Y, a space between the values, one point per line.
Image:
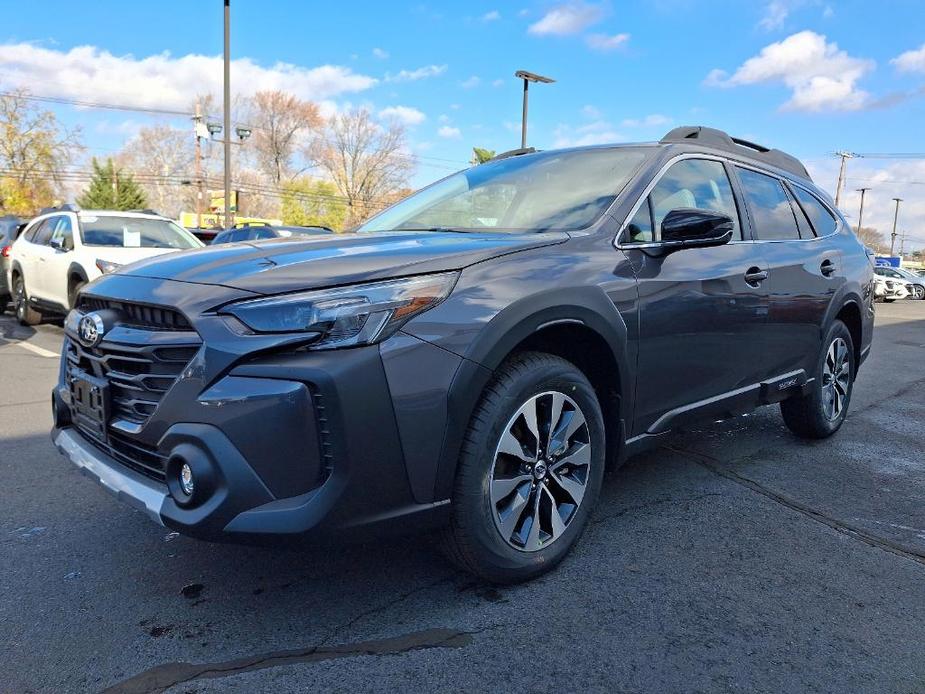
x=919 y=292
x=888 y=301
x=821 y=412
x=4 y=302
x=25 y=314
x=491 y=531
x=72 y=293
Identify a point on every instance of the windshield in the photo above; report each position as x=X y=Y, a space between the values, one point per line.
x=540 y=192
x=134 y=232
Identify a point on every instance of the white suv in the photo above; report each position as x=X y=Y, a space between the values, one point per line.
x=64 y=248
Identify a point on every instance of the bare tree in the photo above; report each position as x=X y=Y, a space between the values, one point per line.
x=871 y=238
x=281 y=123
x=161 y=158
x=34 y=151
x=367 y=162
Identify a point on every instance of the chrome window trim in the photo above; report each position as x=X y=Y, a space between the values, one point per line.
x=621 y=246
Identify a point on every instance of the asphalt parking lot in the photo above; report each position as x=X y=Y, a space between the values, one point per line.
x=735 y=558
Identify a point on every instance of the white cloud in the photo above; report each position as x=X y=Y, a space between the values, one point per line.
x=828 y=12
x=471 y=83
x=162 y=81
x=775 y=14
x=910 y=61
x=415 y=75
x=567 y=18
x=897 y=179
x=443 y=118
x=403 y=114
x=591 y=111
x=820 y=76
x=653 y=120
x=606 y=42
x=449 y=132
x=492 y=16
x=380 y=54
x=598 y=132
x=497 y=83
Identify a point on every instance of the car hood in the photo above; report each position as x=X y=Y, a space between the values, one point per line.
x=282 y=265
x=125 y=256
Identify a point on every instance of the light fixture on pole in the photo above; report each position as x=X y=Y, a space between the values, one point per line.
x=242 y=133
x=528 y=77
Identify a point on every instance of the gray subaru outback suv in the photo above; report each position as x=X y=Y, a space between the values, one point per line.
x=472 y=358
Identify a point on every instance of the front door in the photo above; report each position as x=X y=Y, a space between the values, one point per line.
x=702 y=311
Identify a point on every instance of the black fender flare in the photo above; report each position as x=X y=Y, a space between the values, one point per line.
x=588 y=305
x=845 y=295
x=77 y=269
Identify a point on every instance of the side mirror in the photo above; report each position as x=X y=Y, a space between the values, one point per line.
x=688 y=227
x=56 y=244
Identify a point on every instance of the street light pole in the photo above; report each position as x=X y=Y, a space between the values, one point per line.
x=895 y=218
x=862 y=191
x=227 y=109
x=528 y=77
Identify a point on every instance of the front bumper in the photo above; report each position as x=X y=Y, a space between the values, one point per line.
x=288 y=444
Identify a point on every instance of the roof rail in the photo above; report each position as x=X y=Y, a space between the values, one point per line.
x=513 y=153
x=66 y=207
x=718 y=139
x=146 y=210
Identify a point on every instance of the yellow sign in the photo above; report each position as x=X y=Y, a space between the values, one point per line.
x=211 y=220
x=217 y=201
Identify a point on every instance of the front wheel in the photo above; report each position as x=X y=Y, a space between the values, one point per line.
x=530 y=470
x=25 y=314
x=821 y=412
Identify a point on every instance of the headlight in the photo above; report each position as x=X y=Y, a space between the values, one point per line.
x=107 y=266
x=360 y=314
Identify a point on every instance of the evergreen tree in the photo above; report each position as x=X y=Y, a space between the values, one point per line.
x=111 y=189
x=480 y=155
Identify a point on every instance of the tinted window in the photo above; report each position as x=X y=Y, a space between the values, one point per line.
x=63 y=233
x=697 y=183
x=769 y=206
x=805 y=228
x=29 y=234
x=823 y=221
x=43 y=233
x=262 y=234
x=639 y=230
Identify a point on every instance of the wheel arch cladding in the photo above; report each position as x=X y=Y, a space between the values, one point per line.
x=850 y=315
x=558 y=321
x=75 y=270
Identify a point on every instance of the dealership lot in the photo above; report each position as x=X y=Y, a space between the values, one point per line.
x=733 y=558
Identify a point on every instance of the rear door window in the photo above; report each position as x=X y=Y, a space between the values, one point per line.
x=823 y=221
x=30 y=233
x=769 y=206
x=43 y=233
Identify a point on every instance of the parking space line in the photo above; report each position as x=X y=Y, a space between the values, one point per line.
x=41 y=351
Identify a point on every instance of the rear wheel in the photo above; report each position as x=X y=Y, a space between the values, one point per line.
x=530 y=470
x=918 y=292
x=821 y=412
x=25 y=314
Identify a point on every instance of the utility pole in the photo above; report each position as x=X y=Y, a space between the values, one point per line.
x=862 y=191
x=845 y=156
x=902 y=245
x=197 y=126
x=227 y=108
x=895 y=218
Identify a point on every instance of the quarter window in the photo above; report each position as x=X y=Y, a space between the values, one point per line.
x=823 y=221
x=769 y=206
x=696 y=183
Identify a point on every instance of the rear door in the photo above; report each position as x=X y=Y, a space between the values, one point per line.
x=804 y=269
x=30 y=256
x=701 y=310
x=38 y=282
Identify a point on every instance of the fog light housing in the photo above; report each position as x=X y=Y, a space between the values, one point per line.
x=187 y=484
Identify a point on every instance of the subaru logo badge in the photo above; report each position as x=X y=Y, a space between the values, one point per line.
x=90 y=330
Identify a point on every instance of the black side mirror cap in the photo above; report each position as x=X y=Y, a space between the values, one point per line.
x=689 y=227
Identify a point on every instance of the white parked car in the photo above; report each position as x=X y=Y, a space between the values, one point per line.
x=917 y=281
x=888 y=289
x=64 y=248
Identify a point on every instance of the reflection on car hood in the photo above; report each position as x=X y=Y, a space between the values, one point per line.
x=281 y=265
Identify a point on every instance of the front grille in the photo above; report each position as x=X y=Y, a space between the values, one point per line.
x=144 y=316
x=139 y=371
x=138 y=376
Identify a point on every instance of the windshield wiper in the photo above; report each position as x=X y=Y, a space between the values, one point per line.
x=451 y=229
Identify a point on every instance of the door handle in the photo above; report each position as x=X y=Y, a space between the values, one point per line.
x=755 y=275
x=827 y=268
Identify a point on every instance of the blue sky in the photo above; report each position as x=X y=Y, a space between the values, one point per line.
x=807 y=76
